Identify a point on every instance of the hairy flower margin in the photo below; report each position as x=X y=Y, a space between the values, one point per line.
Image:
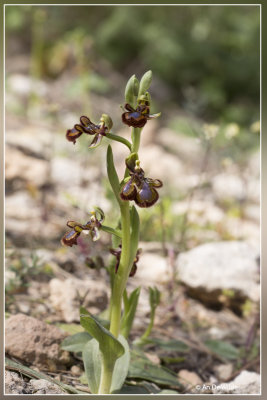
x=138 y=117
x=92 y=227
x=137 y=187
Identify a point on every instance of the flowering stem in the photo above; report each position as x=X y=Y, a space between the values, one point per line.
x=126 y=253
x=119 y=139
x=136 y=135
x=149 y=328
x=123 y=270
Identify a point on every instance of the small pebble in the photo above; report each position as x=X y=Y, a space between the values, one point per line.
x=76 y=371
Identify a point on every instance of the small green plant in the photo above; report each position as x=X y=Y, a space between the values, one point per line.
x=104 y=346
x=23 y=270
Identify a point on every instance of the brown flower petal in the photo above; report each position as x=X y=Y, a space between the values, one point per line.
x=138 y=187
x=73 y=134
x=70 y=238
x=137 y=118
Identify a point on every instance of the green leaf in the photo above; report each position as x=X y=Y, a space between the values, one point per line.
x=30 y=373
x=125 y=301
x=141 y=388
x=154 y=297
x=92 y=364
x=109 y=346
x=167 y=391
x=142 y=368
x=131 y=91
x=223 y=349
x=132 y=389
x=76 y=342
x=172 y=360
x=129 y=313
x=171 y=345
x=121 y=366
x=145 y=83
x=112 y=175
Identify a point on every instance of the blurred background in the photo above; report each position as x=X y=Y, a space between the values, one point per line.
x=63 y=62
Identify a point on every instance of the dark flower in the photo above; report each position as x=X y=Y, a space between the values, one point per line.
x=138 y=187
x=137 y=118
x=88 y=127
x=117 y=254
x=92 y=227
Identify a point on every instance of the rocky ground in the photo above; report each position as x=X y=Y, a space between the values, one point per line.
x=206 y=265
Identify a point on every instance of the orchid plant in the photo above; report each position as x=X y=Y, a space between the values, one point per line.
x=105 y=349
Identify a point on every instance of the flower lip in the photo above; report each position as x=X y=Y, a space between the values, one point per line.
x=138 y=117
x=70 y=238
x=139 y=188
x=74 y=133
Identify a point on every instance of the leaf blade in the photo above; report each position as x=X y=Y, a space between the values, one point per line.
x=128 y=318
x=92 y=364
x=109 y=346
x=112 y=175
x=76 y=342
x=121 y=366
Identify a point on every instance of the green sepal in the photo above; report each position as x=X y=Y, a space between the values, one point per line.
x=107 y=121
x=131 y=91
x=145 y=83
x=131 y=161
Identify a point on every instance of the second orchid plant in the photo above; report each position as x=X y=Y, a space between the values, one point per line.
x=105 y=349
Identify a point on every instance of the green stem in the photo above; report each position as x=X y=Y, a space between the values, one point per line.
x=149 y=328
x=123 y=270
x=106 y=377
x=126 y=253
x=136 y=136
x=120 y=139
